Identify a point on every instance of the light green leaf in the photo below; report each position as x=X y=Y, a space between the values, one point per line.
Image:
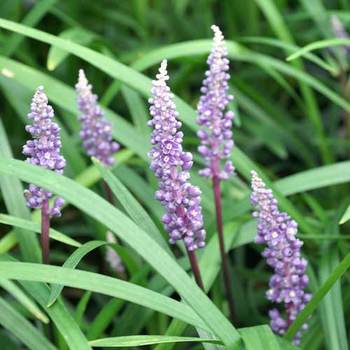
x=320 y=177
x=79 y=35
x=259 y=337
x=316 y=45
x=71 y=263
x=23 y=299
x=35 y=227
x=58 y=313
x=142 y=340
x=131 y=206
x=38 y=11
x=318 y=296
x=22 y=329
x=100 y=284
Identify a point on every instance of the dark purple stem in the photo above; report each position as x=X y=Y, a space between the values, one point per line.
x=195 y=268
x=45 y=227
x=224 y=261
x=109 y=193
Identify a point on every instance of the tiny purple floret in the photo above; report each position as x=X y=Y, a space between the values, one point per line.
x=278 y=231
x=214 y=121
x=43 y=150
x=183 y=219
x=96 y=131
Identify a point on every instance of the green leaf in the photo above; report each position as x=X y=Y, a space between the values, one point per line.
x=290 y=48
x=81 y=307
x=131 y=206
x=101 y=284
x=79 y=35
x=110 y=309
x=23 y=299
x=259 y=337
x=35 y=227
x=324 y=176
x=129 y=232
x=316 y=45
x=58 y=313
x=332 y=313
x=38 y=11
x=142 y=340
x=318 y=296
x=346 y=216
x=22 y=329
x=71 y=263
x=137 y=110
x=331 y=310
x=7 y=242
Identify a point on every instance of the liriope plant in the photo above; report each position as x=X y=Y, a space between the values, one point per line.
x=190 y=210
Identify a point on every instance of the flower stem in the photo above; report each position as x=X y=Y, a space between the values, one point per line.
x=108 y=192
x=45 y=227
x=224 y=261
x=195 y=268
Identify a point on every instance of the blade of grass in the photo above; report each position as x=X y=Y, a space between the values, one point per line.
x=332 y=311
x=22 y=329
x=259 y=337
x=72 y=262
x=38 y=11
x=23 y=299
x=292 y=48
x=58 y=313
x=316 y=45
x=79 y=35
x=100 y=284
x=35 y=227
x=142 y=340
x=131 y=206
x=337 y=273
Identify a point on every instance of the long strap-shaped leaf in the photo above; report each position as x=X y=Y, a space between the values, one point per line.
x=35 y=227
x=22 y=329
x=131 y=206
x=128 y=231
x=142 y=340
x=58 y=313
x=318 y=296
x=101 y=284
x=73 y=261
x=23 y=299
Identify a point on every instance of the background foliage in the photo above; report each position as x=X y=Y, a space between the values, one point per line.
x=292 y=124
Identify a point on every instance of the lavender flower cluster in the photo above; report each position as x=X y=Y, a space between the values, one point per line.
x=96 y=131
x=215 y=132
x=183 y=218
x=43 y=150
x=278 y=231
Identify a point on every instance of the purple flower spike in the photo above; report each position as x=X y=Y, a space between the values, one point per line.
x=278 y=231
x=96 y=131
x=43 y=150
x=215 y=133
x=181 y=200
